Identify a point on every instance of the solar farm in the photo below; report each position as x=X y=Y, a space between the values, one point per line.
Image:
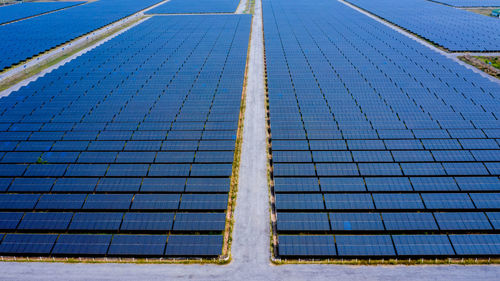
x=225 y=131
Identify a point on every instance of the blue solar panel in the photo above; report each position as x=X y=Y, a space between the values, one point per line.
x=364 y=245
x=163 y=184
x=31 y=185
x=82 y=244
x=409 y=221
x=60 y=201
x=314 y=245
x=108 y=202
x=156 y=202
x=447 y=201
x=356 y=221
x=348 y=201
x=462 y=221
x=45 y=221
x=476 y=244
x=395 y=201
x=147 y=221
x=10 y=220
x=423 y=245
x=28 y=243
x=299 y=201
x=486 y=200
x=342 y=184
x=199 y=222
x=388 y=184
x=194 y=245
x=303 y=222
x=137 y=245
x=296 y=184
x=96 y=221
x=204 y=202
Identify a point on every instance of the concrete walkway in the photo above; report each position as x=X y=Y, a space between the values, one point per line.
x=241 y=7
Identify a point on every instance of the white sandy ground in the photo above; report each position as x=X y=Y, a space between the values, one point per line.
x=241 y=7
x=250 y=248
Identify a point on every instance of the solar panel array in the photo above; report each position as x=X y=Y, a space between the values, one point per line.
x=451 y=28
x=196 y=6
x=23 y=10
x=128 y=149
x=381 y=147
x=469 y=3
x=24 y=39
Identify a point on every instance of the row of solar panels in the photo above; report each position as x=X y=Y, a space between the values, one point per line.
x=112 y=222
x=328 y=130
x=130 y=136
x=387 y=201
x=389 y=144
x=110 y=185
x=111 y=245
x=151 y=202
x=367 y=169
x=426 y=245
x=385 y=184
x=105 y=128
x=115 y=170
x=283 y=156
x=196 y=6
x=144 y=157
x=454 y=29
x=175 y=145
x=390 y=222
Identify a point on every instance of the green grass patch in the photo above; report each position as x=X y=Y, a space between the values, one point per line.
x=493 y=61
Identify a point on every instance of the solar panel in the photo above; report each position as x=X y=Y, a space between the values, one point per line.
x=82 y=244
x=10 y=220
x=27 y=243
x=199 y=222
x=409 y=221
x=137 y=245
x=45 y=221
x=423 y=245
x=462 y=221
x=364 y=245
x=96 y=221
x=475 y=244
x=356 y=222
x=313 y=245
x=194 y=245
x=147 y=221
